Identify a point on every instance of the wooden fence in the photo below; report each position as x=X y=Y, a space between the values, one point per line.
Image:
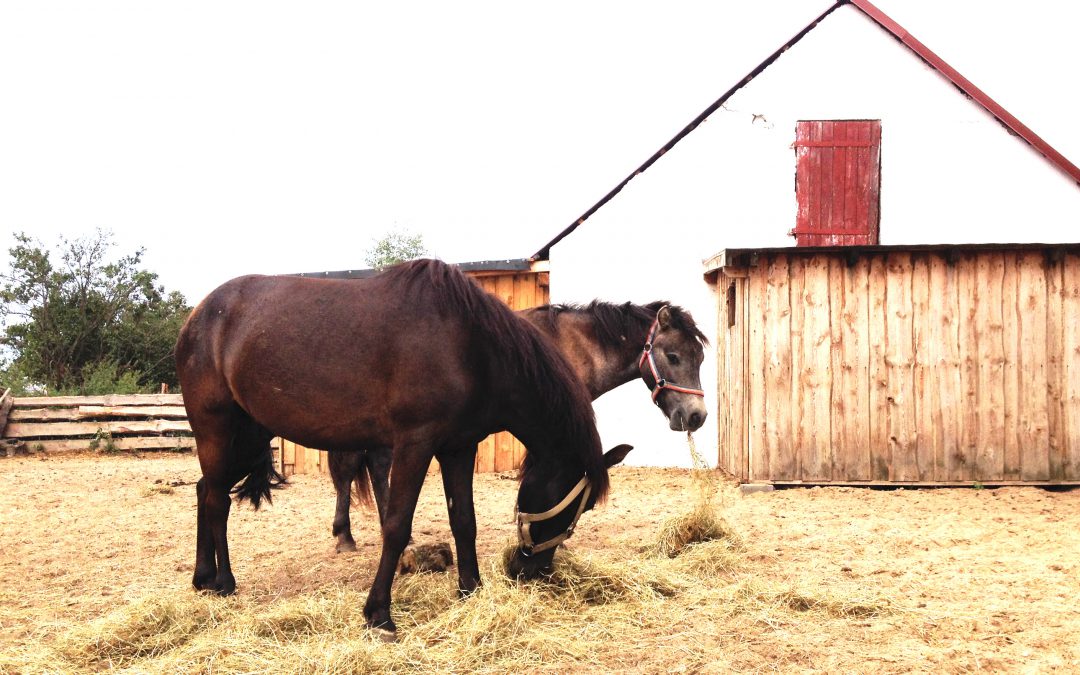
x=939 y=366
x=120 y=422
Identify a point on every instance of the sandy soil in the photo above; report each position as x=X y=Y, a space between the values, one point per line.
x=980 y=579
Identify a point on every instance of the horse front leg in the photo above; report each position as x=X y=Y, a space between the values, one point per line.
x=457 y=477
x=406 y=478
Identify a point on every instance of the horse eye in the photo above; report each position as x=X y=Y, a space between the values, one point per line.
x=673 y=359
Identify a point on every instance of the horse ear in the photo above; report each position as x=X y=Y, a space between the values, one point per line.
x=616 y=454
x=663 y=317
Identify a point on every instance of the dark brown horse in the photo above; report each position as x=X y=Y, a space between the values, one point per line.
x=607 y=345
x=419 y=359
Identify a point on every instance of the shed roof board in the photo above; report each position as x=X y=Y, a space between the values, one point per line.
x=1009 y=121
x=744 y=257
x=512 y=265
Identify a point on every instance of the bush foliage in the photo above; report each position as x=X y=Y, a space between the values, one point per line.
x=79 y=321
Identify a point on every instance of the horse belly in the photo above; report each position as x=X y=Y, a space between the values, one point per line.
x=345 y=408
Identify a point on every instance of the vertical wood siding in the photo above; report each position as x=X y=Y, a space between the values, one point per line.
x=909 y=367
x=498 y=452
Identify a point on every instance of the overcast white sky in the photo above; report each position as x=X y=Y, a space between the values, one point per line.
x=259 y=136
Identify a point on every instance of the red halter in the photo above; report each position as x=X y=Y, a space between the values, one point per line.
x=660 y=383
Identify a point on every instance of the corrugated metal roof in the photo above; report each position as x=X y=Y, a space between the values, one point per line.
x=922 y=51
x=514 y=265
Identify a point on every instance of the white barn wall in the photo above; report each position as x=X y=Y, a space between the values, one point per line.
x=950 y=173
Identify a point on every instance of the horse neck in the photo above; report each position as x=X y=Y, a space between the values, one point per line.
x=546 y=428
x=601 y=366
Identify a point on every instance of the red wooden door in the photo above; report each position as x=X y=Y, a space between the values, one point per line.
x=837 y=182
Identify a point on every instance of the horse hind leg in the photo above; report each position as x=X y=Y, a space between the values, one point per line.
x=231 y=447
x=378 y=465
x=347 y=467
x=213 y=571
x=379 y=461
x=358 y=473
x=205 y=551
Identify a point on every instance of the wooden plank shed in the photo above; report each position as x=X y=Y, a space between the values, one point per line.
x=885 y=143
x=922 y=365
x=518 y=283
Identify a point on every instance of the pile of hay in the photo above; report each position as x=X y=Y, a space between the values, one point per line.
x=592 y=612
x=702 y=523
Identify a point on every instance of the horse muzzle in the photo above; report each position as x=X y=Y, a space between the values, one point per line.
x=688 y=417
x=522 y=566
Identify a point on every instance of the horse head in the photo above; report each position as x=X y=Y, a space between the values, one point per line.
x=670 y=363
x=550 y=502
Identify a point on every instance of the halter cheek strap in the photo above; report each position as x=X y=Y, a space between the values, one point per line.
x=528 y=547
x=659 y=383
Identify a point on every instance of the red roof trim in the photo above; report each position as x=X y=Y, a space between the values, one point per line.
x=1004 y=116
x=965 y=85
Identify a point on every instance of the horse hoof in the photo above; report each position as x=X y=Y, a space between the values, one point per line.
x=345 y=547
x=215 y=586
x=204 y=581
x=385 y=635
x=219 y=591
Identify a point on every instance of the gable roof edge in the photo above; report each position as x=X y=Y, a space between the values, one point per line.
x=1010 y=122
x=1007 y=119
x=544 y=252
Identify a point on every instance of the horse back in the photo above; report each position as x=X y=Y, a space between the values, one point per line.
x=328 y=363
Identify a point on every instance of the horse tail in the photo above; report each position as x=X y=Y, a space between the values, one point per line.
x=361 y=492
x=252 y=443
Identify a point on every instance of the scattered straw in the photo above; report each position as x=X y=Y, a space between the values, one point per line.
x=574 y=616
x=710 y=559
x=599 y=582
x=592 y=612
x=158 y=489
x=146 y=628
x=775 y=599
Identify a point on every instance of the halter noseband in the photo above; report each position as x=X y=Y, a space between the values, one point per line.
x=659 y=383
x=525 y=519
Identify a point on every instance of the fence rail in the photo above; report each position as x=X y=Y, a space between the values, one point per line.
x=71 y=423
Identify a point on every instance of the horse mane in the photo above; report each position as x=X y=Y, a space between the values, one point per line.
x=522 y=350
x=613 y=323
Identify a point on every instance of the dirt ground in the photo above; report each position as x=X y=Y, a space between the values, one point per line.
x=975 y=579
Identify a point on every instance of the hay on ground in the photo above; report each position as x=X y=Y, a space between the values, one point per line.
x=702 y=524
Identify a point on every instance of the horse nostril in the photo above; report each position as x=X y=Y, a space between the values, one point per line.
x=696 y=420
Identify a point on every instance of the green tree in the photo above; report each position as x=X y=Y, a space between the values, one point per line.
x=85 y=320
x=396 y=247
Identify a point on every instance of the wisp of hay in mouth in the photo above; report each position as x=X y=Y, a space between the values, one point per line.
x=703 y=522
